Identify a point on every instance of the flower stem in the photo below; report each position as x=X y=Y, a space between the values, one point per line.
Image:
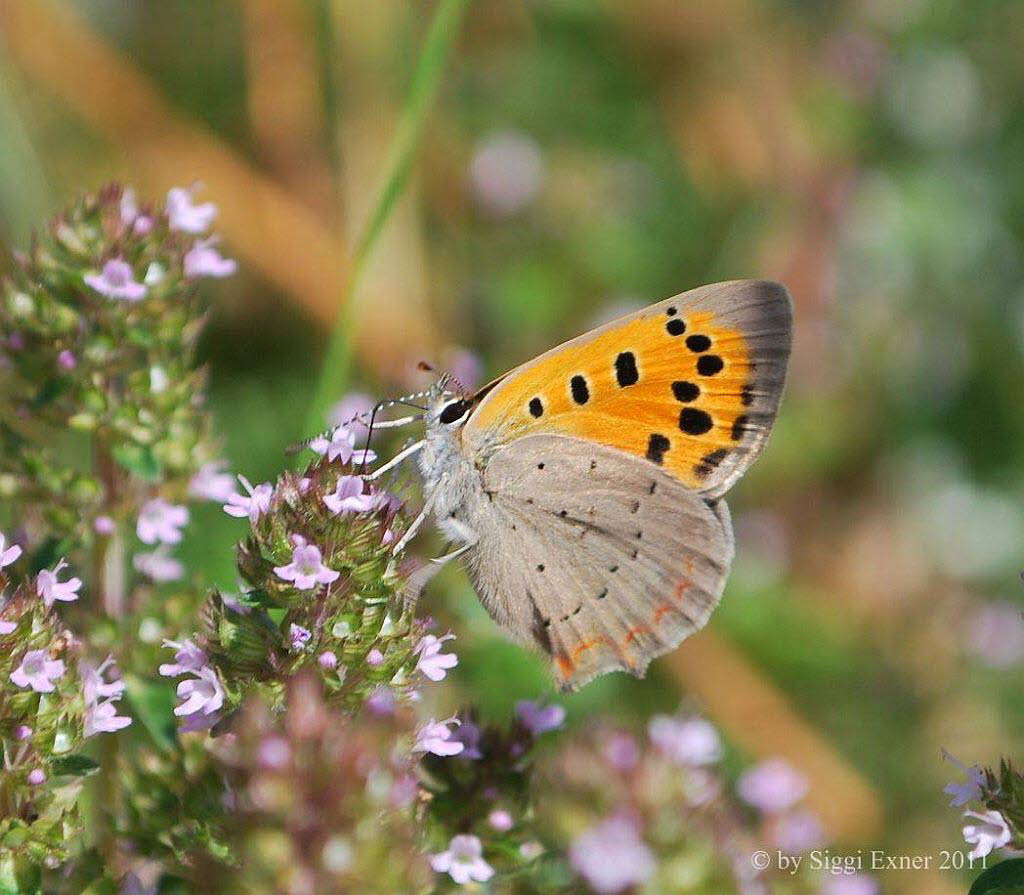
x=426 y=81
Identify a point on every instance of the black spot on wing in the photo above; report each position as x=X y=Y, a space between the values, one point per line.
x=626 y=372
x=685 y=391
x=698 y=343
x=675 y=327
x=579 y=389
x=709 y=364
x=657 y=445
x=694 y=422
x=709 y=462
x=739 y=427
x=536 y=407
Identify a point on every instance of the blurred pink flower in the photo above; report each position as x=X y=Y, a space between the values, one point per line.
x=50 y=588
x=506 y=172
x=436 y=737
x=8 y=554
x=348 y=497
x=36 y=776
x=7 y=627
x=128 y=206
x=996 y=635
x=500 y=820
x=253 y=504
x=274 y=752
x=158 y=565
x=66 y=360
x=612 y=857
x=307 y=569
x=772 y=786
x=463 y=861
x=382 y=701
x=375 y=658
x=211 y=482
x=686 y=741
x=203 y=260
x=201 y=694
x=432 y=662
x=798 y=832
x=991 y=832
x=466 y=367
x=344 y=413
x=968 y=791
x=184 y=215
x=327 y=660
x=187 y=658
x=117 y=280
x=94 y=686
x=104 y=525
x=621 y=751
x=38 y=671
x=469 y=734
x=539 y=719
x=161 y=522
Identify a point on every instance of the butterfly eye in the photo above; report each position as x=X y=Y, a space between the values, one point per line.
x=454 y=411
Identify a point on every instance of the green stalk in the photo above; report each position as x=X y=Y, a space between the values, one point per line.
x=426 y=81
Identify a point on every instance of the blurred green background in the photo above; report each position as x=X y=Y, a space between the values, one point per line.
x=583 y=159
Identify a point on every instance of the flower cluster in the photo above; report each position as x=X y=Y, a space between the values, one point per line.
x=638 y=811
x=323 y=801
x=993 y=803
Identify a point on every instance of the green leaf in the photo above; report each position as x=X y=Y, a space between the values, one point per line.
x=139 y=461
x=152 y=703
x=73 y=765
x=1006 y=878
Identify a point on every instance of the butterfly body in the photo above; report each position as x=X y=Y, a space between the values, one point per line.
x=584 y=488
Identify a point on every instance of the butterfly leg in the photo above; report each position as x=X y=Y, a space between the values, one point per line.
x=415 y=525
x=447 y=557
x=394 y=461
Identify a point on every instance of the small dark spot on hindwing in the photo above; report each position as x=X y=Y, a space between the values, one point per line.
x=675 y=327
x=536 y=407
x=709 y=462
x=739 y=428
x=657 y=445
x=580 y=390
x=685 y=391
x=709 y=364
x=698 y=343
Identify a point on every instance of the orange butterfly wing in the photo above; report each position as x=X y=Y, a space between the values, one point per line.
x=692 y=384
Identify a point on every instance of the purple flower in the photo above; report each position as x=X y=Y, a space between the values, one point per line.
x=22 y=732
x=7 y=627
x=375 y=658
x=253 y=505
x=621 y=751
x=307 y=569
x=969 y=791
x=66 y=360
x=158 y=565
x=275 y=753
x=128 y=206
x=346 y=411
x=117 y=280
x=348 y=497
x=38 y=671
x=339 y=445
x=203 y=260
x=201 y=694
x=612 y=857
x=187 y=658
x=691 y=742
x=94 y=687
x=184 y=215
x=50 y=588
x=468 y=734
x=211 y=482
x=327 y=660
x=104 y=525
x=463 y=860
x=989 y=833
x=772 y=786
x=465 y=367
x=102 y=717
x=161 y=522
x=298 y=637
x=996 y=635
x=798 y=832
x=436 y=737
x=36 y=777
x=506 y=173
x=432 y=662
x=8 y=554
x=539 y=719
x=381 y=701
x=854 y=884
x=500 y=820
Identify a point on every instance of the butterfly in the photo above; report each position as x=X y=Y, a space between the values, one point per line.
x=584 y=488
